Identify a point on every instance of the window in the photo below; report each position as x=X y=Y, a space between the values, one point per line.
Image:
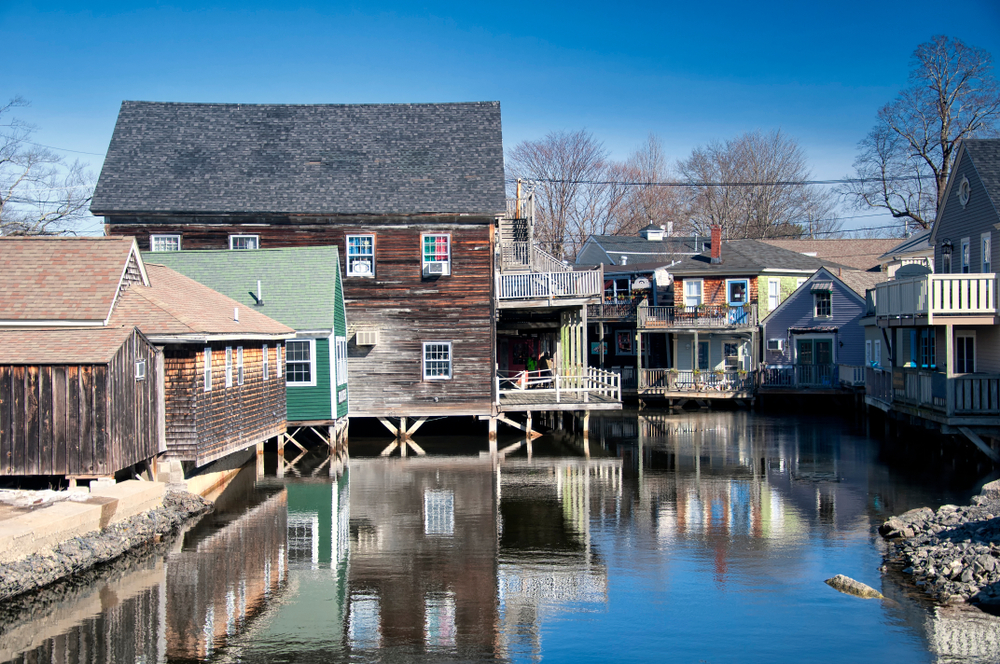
x=244 y=242
x=266 y=351
x=692 y=292
x=964 y=190
x=736 y=291
x=277 y=360
x=868 y=352
x=300 y=362
x=164 y=242
x=965 y=352
x=341 y=360
x=439 y=512
x=207 y=370
x=731 y=355
x=822 y=303
x=986 y=245
x=229 y=366
x=927 y=348
x=877 y=352
x=239 y=365
x=437 y=360
x=361 y=255
x=966 y=255
x=773 y=294
x=436 y=254
x=618 y=290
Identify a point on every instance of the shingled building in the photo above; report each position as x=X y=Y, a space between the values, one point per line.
x=408 y=192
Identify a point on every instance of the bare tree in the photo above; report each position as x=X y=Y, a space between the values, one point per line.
x=903 y=163
x=754 y=186
x=648 y=196
x=39 y=193
x=568 y=170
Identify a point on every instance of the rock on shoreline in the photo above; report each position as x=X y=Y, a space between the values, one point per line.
x=81 y=553
x=953 y=553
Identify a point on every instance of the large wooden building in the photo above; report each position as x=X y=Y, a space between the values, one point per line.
x=409 y=193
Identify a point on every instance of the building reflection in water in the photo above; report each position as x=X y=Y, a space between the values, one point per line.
x=464 y=558
x=182 y=606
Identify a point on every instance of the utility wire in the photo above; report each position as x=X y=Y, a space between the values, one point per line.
x=775 y=183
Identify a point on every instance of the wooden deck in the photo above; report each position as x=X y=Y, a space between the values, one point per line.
x=545 y=400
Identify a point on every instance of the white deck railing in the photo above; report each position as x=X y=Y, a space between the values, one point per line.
x=937 y=295
x=549 y=285
x=584 y=381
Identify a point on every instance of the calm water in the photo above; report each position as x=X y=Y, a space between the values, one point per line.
x=691 y=538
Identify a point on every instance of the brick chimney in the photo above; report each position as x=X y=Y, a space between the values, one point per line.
x=716 y=244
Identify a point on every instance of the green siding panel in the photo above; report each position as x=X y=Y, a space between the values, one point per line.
x=312 y=403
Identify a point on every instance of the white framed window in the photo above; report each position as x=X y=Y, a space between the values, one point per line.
x=877 y=353
x=986 y=247
x=265 y=367
x=164 y=242
x=277 y=360
x=693 y=291
x=300 y=362
x=361 y=255
x=244 y=242
x=965 y=351
x=239 y=365
x=435 y=254
x=868 y=352
x=773 y=294
x=437 y=360
x=207 y=369
x=964 y=190
x=966 y=255
x=229 y=366
x=823 y=304
x=341 y=345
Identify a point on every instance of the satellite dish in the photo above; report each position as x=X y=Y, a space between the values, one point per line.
x=642 y=283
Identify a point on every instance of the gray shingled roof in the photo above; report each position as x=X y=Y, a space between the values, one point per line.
x=310 y=159
x=985 y=155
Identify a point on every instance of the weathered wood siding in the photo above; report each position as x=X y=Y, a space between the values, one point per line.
x=203 y=426
x=406 y=308
x=79 y=419
x=313 y=402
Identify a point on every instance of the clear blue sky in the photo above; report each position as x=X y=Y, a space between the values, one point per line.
x=689 y=72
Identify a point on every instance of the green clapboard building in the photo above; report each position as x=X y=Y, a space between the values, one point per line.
x=300 y=287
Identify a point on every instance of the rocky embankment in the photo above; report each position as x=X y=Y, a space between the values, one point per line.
x=81 y=553
x=953 y=553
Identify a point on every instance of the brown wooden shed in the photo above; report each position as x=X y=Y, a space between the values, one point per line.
x=77 y=402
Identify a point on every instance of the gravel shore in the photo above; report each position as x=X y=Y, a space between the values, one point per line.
x=953 y=553
x=82 y=553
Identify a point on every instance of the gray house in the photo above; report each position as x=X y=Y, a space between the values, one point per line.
x=814 y=338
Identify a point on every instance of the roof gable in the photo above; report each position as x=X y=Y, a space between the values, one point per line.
x=805 y=290
x=857 y=254
x=62 y=346
x=979 y=161
x=307 y=159
x=297 y=285
x=65 y=280
x=749 y=257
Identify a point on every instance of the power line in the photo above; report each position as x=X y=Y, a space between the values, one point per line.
x=52 y=147
x=774 y=183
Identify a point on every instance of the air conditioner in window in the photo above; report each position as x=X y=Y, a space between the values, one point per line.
x=360 y=267
x=366 y=338
x=436 y=269
x=776 y=344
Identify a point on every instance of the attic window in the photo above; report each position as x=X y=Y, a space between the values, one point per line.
x=244 y=242
x=964 y=189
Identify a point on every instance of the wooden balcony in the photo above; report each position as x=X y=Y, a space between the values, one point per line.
x=937 y=299
x=811 y=376
x=615 y=312
x=583 y=388
x=695 y=384
x=703 y=316
x=932 y=393
x=547 y=288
